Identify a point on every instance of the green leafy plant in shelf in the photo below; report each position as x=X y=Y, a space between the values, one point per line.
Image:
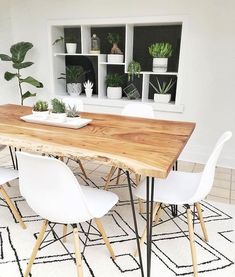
x=58 y=106
x=72 y=112
x=164 y=87
x=113 y=39
x=134 y=69
x=73 y=74
x=18 y=52
x=40 y=106
x=160 y=50
x=69 y=39
x=114 y=80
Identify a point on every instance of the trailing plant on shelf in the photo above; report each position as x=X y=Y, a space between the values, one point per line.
x=116 y=55
x=162 y=90
x=18 y=53
x=72 y=112
x=114 y=84
x=134 y=69
x=40 y=106
x=70 y=43
x=73 y=78
x=160 y=52
x=58 y=106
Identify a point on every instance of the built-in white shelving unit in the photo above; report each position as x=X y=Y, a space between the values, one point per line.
x=132 y=26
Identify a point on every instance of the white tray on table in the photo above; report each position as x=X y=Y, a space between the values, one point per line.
x=74 y=123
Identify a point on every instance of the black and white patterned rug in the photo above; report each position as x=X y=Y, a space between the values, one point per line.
x=170 y=252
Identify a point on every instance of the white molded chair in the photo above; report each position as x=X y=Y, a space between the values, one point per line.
x=53 y=192
x=184 y=188
x=133 y=110
x=7 y=175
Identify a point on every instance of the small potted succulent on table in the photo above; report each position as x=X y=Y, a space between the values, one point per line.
x=116 y=55
x=162 y=95
x=58 y=110
x=160 y=52
x=72 y=113
x=40 y=109
x=88 y=85
x=114 y=84
x=73 y=78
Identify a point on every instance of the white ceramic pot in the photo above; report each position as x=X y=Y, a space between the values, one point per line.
x=74 y=89
x=115 y=58
x=160 y=65
x=71 y=48
x=41 y=115
x=88 y=92
x=114 y=92
x=162 y=98
x=58 y=116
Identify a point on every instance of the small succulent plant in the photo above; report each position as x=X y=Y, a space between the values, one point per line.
x=88 y=84
x=160 y=50
x=58 y=106
x=164 y=87
x=40 y=106
x=72 y=111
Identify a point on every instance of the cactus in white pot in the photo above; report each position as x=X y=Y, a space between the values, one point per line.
x=88 y=85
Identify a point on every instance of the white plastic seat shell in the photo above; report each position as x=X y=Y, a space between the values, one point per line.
x=138 y=110
x=7 y=175
x=53 y=192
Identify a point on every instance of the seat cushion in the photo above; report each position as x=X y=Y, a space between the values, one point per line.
x=7 y=175
x=178 y=188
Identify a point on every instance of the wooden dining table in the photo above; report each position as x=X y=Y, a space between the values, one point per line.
x=146 y=147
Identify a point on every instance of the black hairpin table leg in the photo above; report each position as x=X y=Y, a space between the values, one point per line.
x=135 y=222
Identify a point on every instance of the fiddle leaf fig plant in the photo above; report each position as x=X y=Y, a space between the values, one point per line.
x=18 y=52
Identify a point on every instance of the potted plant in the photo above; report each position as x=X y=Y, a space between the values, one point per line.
x=58 y=109
x=133 y=70
x=70 y=44
x=114 y=84
x=18 y=53
x=72 y=113
x=40 y=109
x=116 y=55
x=73 y=76
x=88 y=85
x=160 y=52
x=162 y=95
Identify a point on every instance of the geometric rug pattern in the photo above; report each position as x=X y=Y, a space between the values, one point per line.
x=170 y=251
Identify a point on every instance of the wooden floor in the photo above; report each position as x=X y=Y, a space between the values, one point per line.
x=223 y=189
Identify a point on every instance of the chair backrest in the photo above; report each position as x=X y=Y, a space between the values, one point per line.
x=208 y=173
x=51 y=189
x=72 y=101
x=138 y=110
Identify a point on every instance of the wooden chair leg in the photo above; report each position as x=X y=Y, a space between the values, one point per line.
x=36 y=247
x=82 y=169
x=111 y=172
x=77 y=252
x=118 y=176
x=143 y=237
x=141 y=206
x=105 y=238
x=65 y=229
x=12 y=207
x=201 y=219
x=192 y=241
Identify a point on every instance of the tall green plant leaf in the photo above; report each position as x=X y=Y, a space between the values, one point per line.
x=8 y=75
x=28 y=94
x=19 y=50
x=5 y=58
x=22 y=65
x=30 y=80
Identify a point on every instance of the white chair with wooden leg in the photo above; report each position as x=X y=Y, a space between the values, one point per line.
x=7 y=175
x=132 y=110
x=53 y=192
x=71 y=102
x=184 y=188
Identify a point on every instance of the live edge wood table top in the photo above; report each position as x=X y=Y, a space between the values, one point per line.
x=145 y=146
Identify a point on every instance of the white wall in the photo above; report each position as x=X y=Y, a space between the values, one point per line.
x=209 y=90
